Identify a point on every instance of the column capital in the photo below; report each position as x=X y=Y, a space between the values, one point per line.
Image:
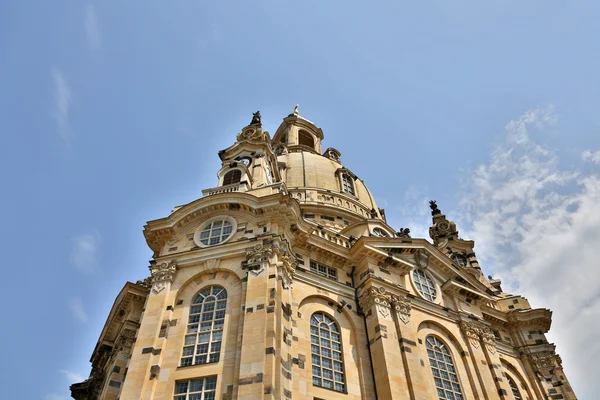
x=257 y=257
x=402 y=306
x=378 y=297
x=161 y=275
x=476 y=333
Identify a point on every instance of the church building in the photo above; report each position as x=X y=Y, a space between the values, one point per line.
x=284 y=281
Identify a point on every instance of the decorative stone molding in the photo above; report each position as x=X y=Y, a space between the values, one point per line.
x=161 y=275
x=402 y=307
x=488 y=338
x=544 y=360
x=476 y=333
x=472 y=332
x=421 y=258
x=146 y=283
x=287 y=266
x=377 y=297
x=257 y=257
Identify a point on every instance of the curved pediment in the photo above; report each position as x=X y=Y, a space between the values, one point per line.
x=178 y=228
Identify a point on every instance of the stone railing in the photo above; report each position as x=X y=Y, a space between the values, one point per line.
x=236 y=187
x=322 y=196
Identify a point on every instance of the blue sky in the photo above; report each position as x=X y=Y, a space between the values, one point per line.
x=113 y=112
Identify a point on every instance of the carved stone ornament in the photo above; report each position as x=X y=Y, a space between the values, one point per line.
x=488 y=338
x=472 y=332
x=543 y=360
x=161 y=275
x=421 y=258
x=287 y=267
x=377 y=297
x=257 y=257
x=402 y=307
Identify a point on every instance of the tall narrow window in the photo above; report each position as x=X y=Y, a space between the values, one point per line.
x=231 y=177
x=442 y=366
x=196 y=389
x=348 y=184
x=205 y=327
x=306 y=139
x=514 y=389
x=326 y=350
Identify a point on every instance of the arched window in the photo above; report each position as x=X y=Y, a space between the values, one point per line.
x=348 y=184
x=514 y=388
x=424 y=285
x=306 y=139
x=231 y=177
x=205 y=327
x=326 y=350
x=442 y=366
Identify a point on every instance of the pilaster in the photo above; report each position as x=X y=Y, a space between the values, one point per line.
x=389 y=373
x=484 y=368
x=255 y=334
x=144 y=367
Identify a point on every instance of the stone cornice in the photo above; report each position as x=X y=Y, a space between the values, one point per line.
x=452 y=287
x=539 y=319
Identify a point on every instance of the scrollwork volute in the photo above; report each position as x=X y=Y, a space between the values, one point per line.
x=257 y=257
x=161 y=275
x=377 y=297
x=401 y=305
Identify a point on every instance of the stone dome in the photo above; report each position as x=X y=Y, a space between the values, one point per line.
x=319 y=180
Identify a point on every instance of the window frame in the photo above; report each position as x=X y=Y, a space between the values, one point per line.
x=202 y=392
x=348 y=182
x=418 y=285
x=332 y=363
x=512 y=384
x=383 y=233
x=203 y=228
x=323 y=270
x=453 y=370
x=232 y=172
x=195 y=321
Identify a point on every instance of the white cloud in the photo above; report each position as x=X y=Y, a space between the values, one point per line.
x=76 y=306
x=593 y=156
x=92 y=28
x=537 y=226
x=412 y=212
x=84 y=254
x=62 y=105
x=72 y=377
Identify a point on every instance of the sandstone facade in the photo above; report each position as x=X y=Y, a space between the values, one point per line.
x=285 y=282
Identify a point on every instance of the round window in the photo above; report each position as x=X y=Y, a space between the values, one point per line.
x=214 y=231
x=379 y=232
x=424 y=285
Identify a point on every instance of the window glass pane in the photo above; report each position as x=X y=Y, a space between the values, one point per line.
x=440 y=362
x=424 y=285
x=324 y=360
x=208 y=328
